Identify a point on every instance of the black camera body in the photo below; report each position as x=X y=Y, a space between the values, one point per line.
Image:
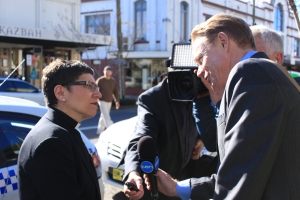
x=184 y=85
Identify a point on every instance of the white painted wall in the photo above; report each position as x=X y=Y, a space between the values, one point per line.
x=39 y=13
x=169 y=31
x=58 y=20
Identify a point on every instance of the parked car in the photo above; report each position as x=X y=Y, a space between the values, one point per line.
x=17 y=117
x=13 y=87
x=111 y=145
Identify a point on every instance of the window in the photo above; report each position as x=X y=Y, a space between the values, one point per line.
x=140 y=20
x=7 y=87
x=18 y=86
x=296 y=48
x=98 y=24
x=207 y=17
x=278 y=24
x=14 y=127
x=184 y=21
x=25 y=87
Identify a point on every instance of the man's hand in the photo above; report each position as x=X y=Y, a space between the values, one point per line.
x=215 y=95
x=117 y=105
x=197 y=149
x=165 y=183
x=135 y=178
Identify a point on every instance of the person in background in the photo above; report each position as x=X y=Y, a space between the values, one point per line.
x=53 y=162
x=171 y=124
x=16 y=75
x=257 y=123
x=268 y=41
x=110 y=92
x=5 y=74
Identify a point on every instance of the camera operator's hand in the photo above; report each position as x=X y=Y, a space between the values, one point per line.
x=135 y=178
x=215 y=95
x=197 y=149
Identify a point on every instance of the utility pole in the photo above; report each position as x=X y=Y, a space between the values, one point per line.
x=120 y=49
x=253 y=13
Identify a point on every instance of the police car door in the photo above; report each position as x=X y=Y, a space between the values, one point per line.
x=14 y=127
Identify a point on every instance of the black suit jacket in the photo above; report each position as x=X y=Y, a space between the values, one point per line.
x=163 y=119
x=258 y=136
x=54 y=162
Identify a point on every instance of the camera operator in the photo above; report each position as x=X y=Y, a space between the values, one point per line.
x=172 y=125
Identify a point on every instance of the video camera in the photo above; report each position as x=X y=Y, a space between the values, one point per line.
x=184 y=85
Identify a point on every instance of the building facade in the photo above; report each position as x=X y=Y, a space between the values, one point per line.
x=151 y=27
x=39 y=31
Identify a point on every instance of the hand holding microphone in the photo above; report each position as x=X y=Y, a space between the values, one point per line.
x=149 y=162
x=133 y=187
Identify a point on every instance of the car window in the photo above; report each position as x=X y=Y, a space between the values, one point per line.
x=7 y=86
x=13 y=129
x=24 y=87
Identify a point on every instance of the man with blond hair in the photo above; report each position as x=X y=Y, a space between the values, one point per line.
x=257 y=123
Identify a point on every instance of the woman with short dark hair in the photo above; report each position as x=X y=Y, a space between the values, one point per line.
x=54 y=162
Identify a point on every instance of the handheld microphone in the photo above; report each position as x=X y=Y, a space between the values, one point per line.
x=149 y=161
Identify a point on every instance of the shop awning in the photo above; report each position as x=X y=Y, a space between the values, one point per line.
x=52 y=38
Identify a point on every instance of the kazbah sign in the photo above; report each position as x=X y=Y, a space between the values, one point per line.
x=20 y=32
x=55 y=35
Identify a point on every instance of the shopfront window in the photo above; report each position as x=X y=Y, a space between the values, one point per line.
x=52 y=54
x=143 y=73
x=10 y=58
x=4 y=62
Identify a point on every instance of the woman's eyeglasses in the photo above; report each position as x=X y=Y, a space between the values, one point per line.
x=91 y=85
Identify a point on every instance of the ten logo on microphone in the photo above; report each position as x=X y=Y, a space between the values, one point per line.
x=147 y=166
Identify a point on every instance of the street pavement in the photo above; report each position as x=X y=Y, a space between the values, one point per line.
x=89 y=128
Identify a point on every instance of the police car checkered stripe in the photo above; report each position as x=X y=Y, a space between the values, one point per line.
x=8 y=180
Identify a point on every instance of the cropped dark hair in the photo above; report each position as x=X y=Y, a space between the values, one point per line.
x=61 y=72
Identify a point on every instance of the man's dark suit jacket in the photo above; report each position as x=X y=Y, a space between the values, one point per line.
x=258 y=136
x=54 y=162
x=161 y=118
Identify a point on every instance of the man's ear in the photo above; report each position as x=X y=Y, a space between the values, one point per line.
x=279 y=57
x=223 y=40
